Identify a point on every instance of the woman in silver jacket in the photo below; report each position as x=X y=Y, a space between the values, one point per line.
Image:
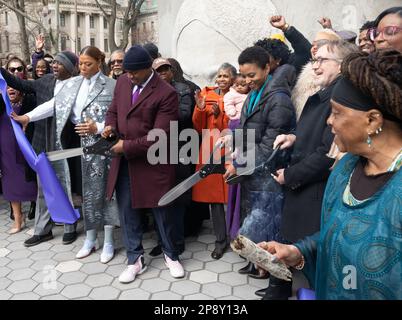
x=80 y=109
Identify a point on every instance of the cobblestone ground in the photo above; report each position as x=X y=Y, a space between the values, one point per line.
x=50 y=271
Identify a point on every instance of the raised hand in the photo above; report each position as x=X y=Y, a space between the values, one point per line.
x=39 y=42
x=278 y=22
x=325 y=22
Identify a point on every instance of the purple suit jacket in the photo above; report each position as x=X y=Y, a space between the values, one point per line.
x=155 y=108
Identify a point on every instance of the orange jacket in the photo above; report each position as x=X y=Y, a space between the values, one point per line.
x=212 y=189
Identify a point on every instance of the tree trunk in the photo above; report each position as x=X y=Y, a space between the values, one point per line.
x=112 y=26
x=20 y=4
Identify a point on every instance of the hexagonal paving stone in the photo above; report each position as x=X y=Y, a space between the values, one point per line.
x=4 y=271
x=48 y=273
x=231 y=257
x=185 y=287
x=155 y=285
x=158 y=263
x=126 y=286
x=116 y=270
x=186 y=255
x=135 y=294
x=149 y=244
x=5 y=295
x=99 y=280
x=203 y=276
x=245 y=292
x=4 y=261
x=64 y=256
x=192 y=265
x=22 y=286
x=76 y=291
x=21 y=274
x=57 y=248
x=166 y=295
x=218 y=266
x=104 y=293
x=13 y=246
x=41 y=265
x=165 y=274
x=19 y=237
x=26 y=296
x=233 y=278
x=44 y=246
x=207 y=238
x=68 y=266
x=73 y=277
x=196 y=247
x=198 y=296
x=229 y=298
x=4 y=283
x=54 y=297
x=94 y=267
x=4 y=252
x=19 y=254
x=258 y=283
x=20 y=264
x=204 y=256
x=216 y=290
x=48 y=289
x=118 y=260
x=150 y=273
x=42 y=255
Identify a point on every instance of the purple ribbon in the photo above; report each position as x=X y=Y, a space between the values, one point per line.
x=57 y=202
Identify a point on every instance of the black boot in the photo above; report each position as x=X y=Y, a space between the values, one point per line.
x=32 y=209
x=278 y=289
x=249 y=269
x=11 y=212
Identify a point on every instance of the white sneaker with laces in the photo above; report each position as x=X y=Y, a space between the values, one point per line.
x=131 y=271
x=107 y=253
x=88 y=247
x=175 y=267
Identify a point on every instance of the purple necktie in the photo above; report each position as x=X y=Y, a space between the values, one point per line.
x=135 y=95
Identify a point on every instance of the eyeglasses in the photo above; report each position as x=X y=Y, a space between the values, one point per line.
x=19 y=69
x=387 y=32
x=119 y=61
x=321 y=60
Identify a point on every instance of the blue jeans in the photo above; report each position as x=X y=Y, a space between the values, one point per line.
x=130 y=221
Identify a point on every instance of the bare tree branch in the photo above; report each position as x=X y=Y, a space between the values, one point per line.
x=103 y=10
x=22 y=13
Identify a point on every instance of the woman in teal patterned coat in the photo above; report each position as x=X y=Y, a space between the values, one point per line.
x=358 y=253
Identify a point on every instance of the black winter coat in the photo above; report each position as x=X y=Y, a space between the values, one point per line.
x=43 y=88
x=301 y=47
x=275 y=115
x=307 y=175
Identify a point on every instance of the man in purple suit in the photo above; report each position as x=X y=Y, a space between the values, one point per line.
x=142 y=102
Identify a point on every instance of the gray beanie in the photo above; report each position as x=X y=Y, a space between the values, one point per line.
x=68 y=59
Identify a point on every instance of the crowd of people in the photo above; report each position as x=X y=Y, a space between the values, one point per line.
x=331 y=110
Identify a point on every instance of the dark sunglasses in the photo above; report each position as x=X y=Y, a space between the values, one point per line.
x=19 y=69
x=387 y=32
x=116 y=61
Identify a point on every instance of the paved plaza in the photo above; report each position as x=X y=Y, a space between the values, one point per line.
x=50 y=271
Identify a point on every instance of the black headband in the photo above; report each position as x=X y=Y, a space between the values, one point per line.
x=346 y=94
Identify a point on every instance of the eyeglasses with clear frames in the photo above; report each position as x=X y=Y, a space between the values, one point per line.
x=321 y=60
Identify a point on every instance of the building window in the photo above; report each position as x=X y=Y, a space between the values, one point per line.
x=1 y=47
x=7 y=44
x=92 y=42
x=104 y=23
x=62 y=20
x=106 y=45
x=6 y=18
x=144 y=26
x=78 y=44
x=152 y=25
x=91 y=21
x=78 y=20
x=63 y=43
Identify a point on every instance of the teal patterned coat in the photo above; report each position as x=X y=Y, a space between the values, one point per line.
x=358 y=253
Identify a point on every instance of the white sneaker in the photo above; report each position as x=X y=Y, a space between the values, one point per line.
x=131 y=271
x=175 y=267
x=107 y=253
x=88 y=247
